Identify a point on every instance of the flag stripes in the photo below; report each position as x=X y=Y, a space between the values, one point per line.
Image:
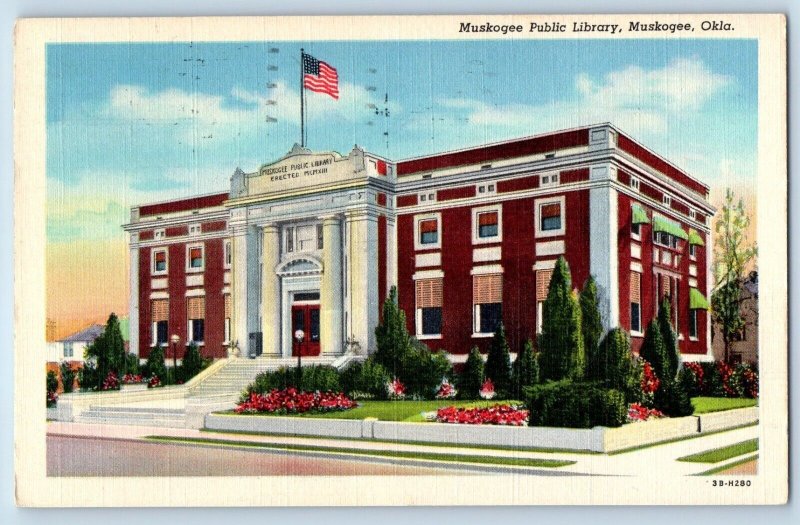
x=320 y=77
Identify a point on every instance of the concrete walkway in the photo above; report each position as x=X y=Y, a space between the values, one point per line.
x=652 y=461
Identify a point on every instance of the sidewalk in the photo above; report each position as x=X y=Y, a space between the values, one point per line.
x=652 y=461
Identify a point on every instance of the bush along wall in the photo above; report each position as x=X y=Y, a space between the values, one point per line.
x=575 y=405
x=525 y=371
x=719 y=379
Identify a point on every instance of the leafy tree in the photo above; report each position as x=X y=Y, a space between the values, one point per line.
x=391 y=336
x=498 y=363
x=613 y=365
x=732 y=255
x=192 y=363
x=561 y=341
x=591 y=323
x=108 y=350
x=471 y=378
x=67 y=377
x=654 y=352
x=670 y=339
x=155 y=364
x=525 y=371
x=88 y=376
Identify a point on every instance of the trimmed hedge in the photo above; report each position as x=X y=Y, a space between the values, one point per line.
x=313 y=378
x=575 y=405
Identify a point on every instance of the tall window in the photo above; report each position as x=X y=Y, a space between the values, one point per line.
x=429 y=307
x=693 y=324
x=194 y=257
x=636 y=230
x=487 y=299
x=542 y=287
x=67 y=349
x=159 y=261
x=196 y=310
x=549 y=215
x=227 y=327
x=636 y=302
x=160 y=319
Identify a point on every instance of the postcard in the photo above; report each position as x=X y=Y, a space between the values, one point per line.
x=317 y=261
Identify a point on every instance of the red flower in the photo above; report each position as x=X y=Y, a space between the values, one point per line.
x=495 y=415
x=637 y=412
x=291 y=401
x=650 y=381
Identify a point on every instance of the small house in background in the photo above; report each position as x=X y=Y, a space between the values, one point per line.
x=72 y=347
x=744 y=347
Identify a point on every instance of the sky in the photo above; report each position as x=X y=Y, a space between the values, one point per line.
x=129 y=124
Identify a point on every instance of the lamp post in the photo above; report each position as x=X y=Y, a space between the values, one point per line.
x=175 y=338
x=299 y=335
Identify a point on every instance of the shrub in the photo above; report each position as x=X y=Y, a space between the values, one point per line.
x=471 y=377
x=673 y=400
x=392 y=339
x=561 y=341
x=498 y=363
x=612 y=361
x=191 y=364
x=575 y=405
x=525 y=372
x=423 y=370
x=692 y=377
x=314 y=378
x=155 y=363
x=653 y=350
x=748 y=375
x=591 y=323
x=365 y=380
x=132 y=364
x=671 y=352
x=67 y=377
x=109 y=351
x=87 y=376
x=51 y=382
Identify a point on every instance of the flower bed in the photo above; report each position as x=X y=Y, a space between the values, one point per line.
x=495 y=415
x=637 y=412
x=292 y=401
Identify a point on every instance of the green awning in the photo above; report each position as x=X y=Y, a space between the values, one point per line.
x=662 y=224
x=694 y=238
x=697 y=301
x=638 y=215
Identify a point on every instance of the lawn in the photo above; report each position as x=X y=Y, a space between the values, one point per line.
x=406 y=411
x=703 y=405
x=721 y=454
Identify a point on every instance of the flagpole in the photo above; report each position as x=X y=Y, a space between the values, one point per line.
x=302 y=101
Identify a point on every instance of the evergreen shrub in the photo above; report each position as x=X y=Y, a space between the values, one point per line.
x=471 y=377
x=575 y=405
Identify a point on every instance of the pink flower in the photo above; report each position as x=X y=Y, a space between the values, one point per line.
x=445 y=390
x=487 y=389
x=396 y=389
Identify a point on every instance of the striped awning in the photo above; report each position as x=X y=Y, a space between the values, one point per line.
x=639 y=215
x=694 y=238
x=662 y=224
x=697 y=300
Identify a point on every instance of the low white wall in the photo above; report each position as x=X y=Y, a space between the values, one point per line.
x=346 y=428
x=714 y=421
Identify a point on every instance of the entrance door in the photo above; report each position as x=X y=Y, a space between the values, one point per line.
x=305 y=317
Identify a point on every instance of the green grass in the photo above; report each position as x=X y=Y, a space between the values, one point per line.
x=704 y=405
x=721 y=454
x=405 y=411
x=427 y=456
x=723 y=468
x=677 y=439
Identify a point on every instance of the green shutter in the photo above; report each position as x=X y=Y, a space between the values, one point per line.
x=694 y=238
x=697 y=301
x=638 y=215
x=662 y=224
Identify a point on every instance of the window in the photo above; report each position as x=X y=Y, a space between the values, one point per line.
x=485 y=189
x=194 y=229
x=227 y=324
x=429 y=307
x=67 y=349
x=227 y=254
x=429 y=197
x=634 y=183
x=196 y=312
x=692 y=251
x=549 y=217
x=665 y=239
x=486 y=225
x=542 y=287
x=692 y=324
x=636 y=230
x=159 y=262
x=548 y=180
x=667 y=200
x=487 y=300
x=693 y=214
x=426 y=232
x=194 y=258
x=160 y=317
x=159 y=234
x=289 y=235
x=636 y=302
x=319 y=237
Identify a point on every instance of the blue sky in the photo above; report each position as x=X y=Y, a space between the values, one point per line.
x=133 y=123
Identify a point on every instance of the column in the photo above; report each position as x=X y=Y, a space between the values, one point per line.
x=239 y=291
x=331 y=339
x=603 y=253
x=133 y=297
x=270 y=291
x=363 y=297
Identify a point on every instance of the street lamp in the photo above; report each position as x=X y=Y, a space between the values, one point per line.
x=175 y=338
x=299 y=335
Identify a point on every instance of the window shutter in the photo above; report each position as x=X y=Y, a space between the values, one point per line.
x=551 y=210
x=543 y=283
x=665 y=285
x=429 y=293
x=487 y=289
x=196 y=307
x=160 y=310
x=487 y=219
x=227 y=306
x=428 y=226
x=636 y=283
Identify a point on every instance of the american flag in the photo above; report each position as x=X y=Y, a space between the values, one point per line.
x=320 y=77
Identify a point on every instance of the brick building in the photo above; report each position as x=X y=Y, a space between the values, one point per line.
x=297 y=256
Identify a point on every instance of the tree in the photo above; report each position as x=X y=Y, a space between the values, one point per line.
x=670 y=339
x=653 y=350
x=613 y=365
x=67 y=377
x=591 y=323
x=732 y=255
x=498 y=363
x=561 y=341
x=525 y=371
x=192 y=363
x=391 y=335
x=155 y=363
x=471 y=378
x=109 y=351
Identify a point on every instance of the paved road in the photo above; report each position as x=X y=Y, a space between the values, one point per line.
x=69 y=456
